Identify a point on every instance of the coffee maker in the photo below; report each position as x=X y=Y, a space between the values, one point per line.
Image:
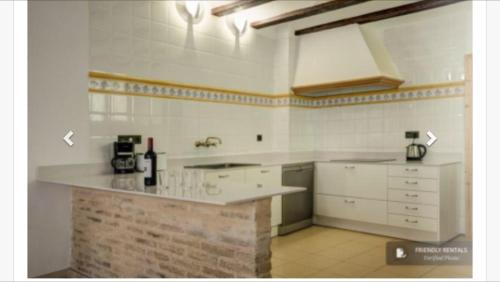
x=414 y=152
x=124 y=157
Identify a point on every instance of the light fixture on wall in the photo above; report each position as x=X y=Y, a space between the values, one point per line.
x=237 y=24
x=240 y=24
x=192 y=8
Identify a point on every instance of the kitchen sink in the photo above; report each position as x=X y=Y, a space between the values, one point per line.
x=360 y=160
x=220 y=165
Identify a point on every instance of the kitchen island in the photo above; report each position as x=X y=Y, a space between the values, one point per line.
x=123 y=229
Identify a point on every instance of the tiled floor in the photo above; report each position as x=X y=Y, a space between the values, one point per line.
x=320 y=252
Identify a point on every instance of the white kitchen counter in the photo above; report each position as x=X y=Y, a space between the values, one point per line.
x=99 y=176
x=222 y=194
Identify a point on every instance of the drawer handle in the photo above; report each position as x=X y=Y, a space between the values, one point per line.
x=411 y=182
x=224 y=176
x=349 y=201
x=264 y=171
x=411 y=169
x=260 y=185
x=411 y=221
x=350 y=167
x=411 y=209
x=411 y=195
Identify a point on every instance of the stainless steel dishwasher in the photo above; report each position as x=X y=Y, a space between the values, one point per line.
x=297 y=208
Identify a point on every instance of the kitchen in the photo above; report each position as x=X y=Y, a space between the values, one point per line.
x=280 y=117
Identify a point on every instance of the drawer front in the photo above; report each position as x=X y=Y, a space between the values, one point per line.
x=414 y=171
x=420 y=184
x=352 y=180
x=412 y=209
x=413 y=222
x=225 y=175
x=373 y=211
x=264 y=176
x=416 y=197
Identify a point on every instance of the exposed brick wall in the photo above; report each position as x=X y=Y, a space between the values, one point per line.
x=121 y=235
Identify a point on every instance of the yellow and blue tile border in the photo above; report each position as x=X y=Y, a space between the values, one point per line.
x=116 y=84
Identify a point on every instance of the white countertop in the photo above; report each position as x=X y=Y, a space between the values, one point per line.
x=270 y=159
x=223 y=194
x=99 y=176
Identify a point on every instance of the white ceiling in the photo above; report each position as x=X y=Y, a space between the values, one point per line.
x=275 y=8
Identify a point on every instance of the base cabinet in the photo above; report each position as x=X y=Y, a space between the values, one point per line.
x=259 y=177
x=414 y=202
x=374 y=211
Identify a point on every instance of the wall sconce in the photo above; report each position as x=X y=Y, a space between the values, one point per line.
x=237 y=24
x=240 y=24
x=190 y=10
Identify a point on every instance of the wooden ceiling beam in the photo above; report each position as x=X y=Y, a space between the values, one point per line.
x=236 y=6
x=329 y=6
x=380 y=15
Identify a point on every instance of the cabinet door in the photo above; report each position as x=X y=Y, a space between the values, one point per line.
x=353 y=180
x=373 y=211
x=265 y=178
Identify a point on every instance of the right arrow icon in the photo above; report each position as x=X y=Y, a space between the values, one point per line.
x=432 y=138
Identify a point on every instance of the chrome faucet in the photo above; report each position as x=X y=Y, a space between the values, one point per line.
x=209 y=142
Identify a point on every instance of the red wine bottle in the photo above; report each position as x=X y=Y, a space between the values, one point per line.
x=150 y=165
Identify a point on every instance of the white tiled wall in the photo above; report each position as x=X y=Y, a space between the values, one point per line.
x=151 y=39
x=381 y=127
x=177 y=124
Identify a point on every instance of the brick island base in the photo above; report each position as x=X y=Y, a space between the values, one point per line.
x=128 y=236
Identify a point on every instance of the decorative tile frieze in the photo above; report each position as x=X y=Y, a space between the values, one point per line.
x=122 y=85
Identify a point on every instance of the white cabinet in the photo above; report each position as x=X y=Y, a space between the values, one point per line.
x=352 y=180
x=262 y=177
x=415 y=197
x=374 y=211
x=267 y=177
x=417 y=184
x=412 y=209
x=409 y=170
x=229 y=175
x=415 y=202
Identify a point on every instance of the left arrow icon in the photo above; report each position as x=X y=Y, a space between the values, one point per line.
x=67 y=138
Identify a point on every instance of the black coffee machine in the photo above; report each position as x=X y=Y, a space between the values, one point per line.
x=124 y=157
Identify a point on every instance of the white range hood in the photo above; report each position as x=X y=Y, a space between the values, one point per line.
x=341 y=61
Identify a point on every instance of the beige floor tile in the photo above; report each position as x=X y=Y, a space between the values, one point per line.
x=378 y=251
x=344 y=270
x=293 y=270
x=450 y=271
x=317 y=261
x=367 y=260
x=379 y=273
x=288 y=253
x=275 y=261
x=316 y=244
x=373 y=239
x=283 y=240
x=400 y=271
x=346 y=250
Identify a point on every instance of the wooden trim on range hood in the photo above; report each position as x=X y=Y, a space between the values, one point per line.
x=348 y=86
